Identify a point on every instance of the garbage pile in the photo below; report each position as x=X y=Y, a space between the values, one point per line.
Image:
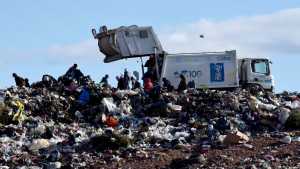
x=72 y=121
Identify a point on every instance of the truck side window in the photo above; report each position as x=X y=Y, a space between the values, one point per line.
x=260 y=66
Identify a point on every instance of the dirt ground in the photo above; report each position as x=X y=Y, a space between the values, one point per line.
x=267 y=152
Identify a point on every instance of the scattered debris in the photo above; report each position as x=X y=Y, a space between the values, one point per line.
x=286 y=140
x=235 y=138
x=74 y=122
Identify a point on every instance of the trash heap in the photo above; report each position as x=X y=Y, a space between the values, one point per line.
x=55 y=126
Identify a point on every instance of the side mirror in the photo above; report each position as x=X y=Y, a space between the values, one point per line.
x=270 y=62
x=94 y=32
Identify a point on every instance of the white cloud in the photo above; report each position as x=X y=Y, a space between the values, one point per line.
x=273 y=34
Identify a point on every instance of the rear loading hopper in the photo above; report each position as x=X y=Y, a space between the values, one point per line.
x=127 y=42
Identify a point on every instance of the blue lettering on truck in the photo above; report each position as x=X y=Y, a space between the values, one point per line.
x=188 y=73
x=217 y=72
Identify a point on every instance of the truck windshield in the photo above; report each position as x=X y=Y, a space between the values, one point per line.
x=260 y=66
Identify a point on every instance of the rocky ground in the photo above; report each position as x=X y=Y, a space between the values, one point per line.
x=261 y=152
x=267 y=152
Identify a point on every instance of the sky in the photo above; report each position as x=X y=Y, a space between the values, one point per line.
x=47 y=37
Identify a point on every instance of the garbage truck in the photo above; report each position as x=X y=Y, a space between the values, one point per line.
x=213 y=70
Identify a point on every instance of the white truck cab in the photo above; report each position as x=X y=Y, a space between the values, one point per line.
x=256 y=71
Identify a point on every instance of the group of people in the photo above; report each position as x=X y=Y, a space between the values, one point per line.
x=152 y=76
x=183 y=85
x=124 y=81
x=72 y=74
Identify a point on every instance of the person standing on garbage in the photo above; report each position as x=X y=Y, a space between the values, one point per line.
x=104 y=80
x=120 y=80
x=20 y=82
x=48 y=81
x=27 y=83
x=151 y=70
x=71 y=70
x=182 y=85
x=167 y=85
x=126 y=79
x=78 y=75
x=74 y=73
x=135 y=83
x=150 y=63
x=191 y=84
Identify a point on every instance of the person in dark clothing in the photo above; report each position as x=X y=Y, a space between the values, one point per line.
x=191 y=84
x=126 y=79
x=74 y=73
x=167 y=85
x=151 y=69
x=182 y=85
x=104 y=80
x=20 y=82
x=78 y=75
x=49 y=81
x=120 y=82
x=150 y=63
x=135 y=83
x=71 y=70
x=27 y=83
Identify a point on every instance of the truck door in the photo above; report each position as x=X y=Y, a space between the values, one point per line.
x=260 y=73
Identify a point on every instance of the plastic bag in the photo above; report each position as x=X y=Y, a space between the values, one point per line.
x=19 y=115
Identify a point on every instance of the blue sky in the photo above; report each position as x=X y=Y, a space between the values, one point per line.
x=39 y=37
